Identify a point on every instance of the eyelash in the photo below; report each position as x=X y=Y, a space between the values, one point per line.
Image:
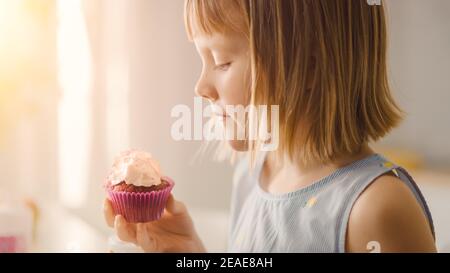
x=222 y=67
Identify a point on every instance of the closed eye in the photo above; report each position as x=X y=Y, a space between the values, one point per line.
x=223 y=67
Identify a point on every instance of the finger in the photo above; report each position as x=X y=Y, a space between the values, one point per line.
x=173 y=206
x=144 y=239
x=108 y=213
x=125 y=231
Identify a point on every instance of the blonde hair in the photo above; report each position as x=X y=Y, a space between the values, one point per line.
x=322 y=61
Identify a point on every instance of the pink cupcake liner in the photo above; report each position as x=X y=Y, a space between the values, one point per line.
x=141 y=207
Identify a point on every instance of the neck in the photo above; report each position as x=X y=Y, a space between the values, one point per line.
x=287 y=176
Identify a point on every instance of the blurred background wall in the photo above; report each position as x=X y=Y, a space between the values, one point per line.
x=420 y=69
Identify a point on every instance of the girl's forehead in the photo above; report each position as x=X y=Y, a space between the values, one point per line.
x=211 y=40
x=224 y=41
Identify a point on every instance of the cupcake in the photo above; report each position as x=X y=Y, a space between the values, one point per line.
x=136 y=188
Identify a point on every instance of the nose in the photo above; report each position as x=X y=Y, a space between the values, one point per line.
x=204 y=88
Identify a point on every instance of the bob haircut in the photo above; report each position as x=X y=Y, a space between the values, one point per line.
x=322 y=61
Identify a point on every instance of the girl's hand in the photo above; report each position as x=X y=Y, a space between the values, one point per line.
x=173 y=232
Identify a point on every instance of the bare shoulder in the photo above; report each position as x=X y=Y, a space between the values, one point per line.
x=388 y=216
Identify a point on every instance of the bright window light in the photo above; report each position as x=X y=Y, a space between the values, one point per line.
x=74 y=59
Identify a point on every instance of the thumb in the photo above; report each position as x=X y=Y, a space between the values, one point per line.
x=174 y=207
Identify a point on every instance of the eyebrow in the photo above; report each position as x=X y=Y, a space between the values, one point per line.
x=222 y=45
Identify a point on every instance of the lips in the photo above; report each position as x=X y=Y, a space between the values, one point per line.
x=219 y=112
x=220 y=115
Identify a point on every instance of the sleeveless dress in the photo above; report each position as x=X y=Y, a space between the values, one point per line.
x=311 y=219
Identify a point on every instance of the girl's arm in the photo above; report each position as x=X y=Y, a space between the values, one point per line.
x=388 y=217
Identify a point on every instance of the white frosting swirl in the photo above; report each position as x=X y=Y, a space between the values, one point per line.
x=137 y=168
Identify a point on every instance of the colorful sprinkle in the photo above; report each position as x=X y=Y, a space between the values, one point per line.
x=395 y=172
x=311 y=202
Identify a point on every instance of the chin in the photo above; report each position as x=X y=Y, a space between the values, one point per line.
x=238 y=145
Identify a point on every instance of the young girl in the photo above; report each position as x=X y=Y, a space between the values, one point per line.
x=323 y=62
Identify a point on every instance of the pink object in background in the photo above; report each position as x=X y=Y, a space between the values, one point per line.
x=16 y=225
x=12 y=244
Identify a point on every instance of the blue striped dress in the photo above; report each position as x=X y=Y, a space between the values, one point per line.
x=311 y=219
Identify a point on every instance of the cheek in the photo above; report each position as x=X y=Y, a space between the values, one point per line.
x=235 y=87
